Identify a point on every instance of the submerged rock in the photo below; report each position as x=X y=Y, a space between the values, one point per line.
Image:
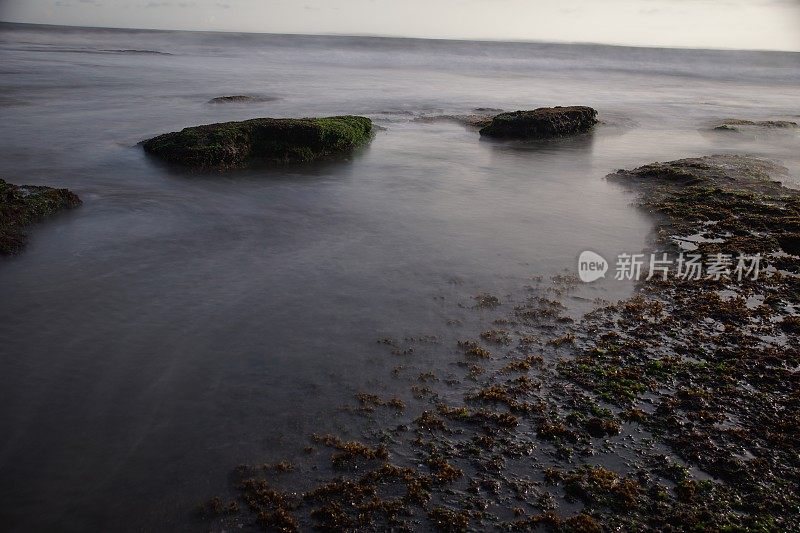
x=722 y=171
x=240 y=99
x=542 y=123
x=276 y=140
x=734 y=124
x=471 y=121
x=21 y=205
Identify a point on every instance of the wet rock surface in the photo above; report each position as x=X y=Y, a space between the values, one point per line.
x=271 y=140
x=674 y=410
x=22 y=205
x=541 y=123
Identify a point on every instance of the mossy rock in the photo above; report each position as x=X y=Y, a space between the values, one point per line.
x=272 y=140
x=21 y=205
x=542 y=123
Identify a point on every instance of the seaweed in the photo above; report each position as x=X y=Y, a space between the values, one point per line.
x=349 y=451
x=675 y=409
x=23 y=205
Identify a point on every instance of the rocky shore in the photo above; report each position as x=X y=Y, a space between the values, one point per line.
x=541 y=123
x=270 y=140
x=676 y=409
x=22 y=205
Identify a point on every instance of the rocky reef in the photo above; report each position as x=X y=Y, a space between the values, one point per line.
x=735 y=124
x=21 y=205
x=272 y=140
x=674 y=410
x=541 y=123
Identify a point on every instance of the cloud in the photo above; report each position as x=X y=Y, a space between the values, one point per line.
x=759 y=24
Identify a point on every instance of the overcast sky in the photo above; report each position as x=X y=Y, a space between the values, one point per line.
x=759 y=24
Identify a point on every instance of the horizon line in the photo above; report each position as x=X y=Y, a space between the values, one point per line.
x=406 y=37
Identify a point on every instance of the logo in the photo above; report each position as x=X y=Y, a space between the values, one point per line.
x=591 y=266
x=686 y=266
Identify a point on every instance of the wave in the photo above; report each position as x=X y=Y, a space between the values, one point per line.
x=135 y=52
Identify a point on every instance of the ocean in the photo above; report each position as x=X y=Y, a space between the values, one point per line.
x=178 y=324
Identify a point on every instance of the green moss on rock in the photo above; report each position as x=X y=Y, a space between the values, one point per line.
x=21 y=205
x=276 y=140
x=542 y=123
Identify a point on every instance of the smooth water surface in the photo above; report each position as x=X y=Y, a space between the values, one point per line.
x=178 y=324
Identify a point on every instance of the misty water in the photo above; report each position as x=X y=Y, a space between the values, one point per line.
x=178 y=324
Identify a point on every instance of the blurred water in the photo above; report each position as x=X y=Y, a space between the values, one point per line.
x=177 y=325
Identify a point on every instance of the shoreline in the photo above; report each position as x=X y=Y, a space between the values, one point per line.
x=405 y=302
x=640 y=412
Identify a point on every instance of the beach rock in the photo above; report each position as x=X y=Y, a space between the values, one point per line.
x=541 y=123
x=240 y=99
x=275 y=140
x=733 y=124
x=712 y=175
x=21 y=205
x=721 y=171
x=746 y=208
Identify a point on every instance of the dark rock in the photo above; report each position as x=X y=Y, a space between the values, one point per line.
x=790 y=243
x=542 y=123
x=21 y=205
x=240 y=99
x=276 y=140
x=722 y=171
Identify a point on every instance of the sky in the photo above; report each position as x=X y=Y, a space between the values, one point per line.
x=744 y=24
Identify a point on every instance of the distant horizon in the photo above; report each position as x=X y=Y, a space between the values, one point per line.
x=406 y=37
x=766 y=25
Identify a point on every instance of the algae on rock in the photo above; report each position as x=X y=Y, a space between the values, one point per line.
x=542 y=123
x=22 y=205
x=276 y=140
